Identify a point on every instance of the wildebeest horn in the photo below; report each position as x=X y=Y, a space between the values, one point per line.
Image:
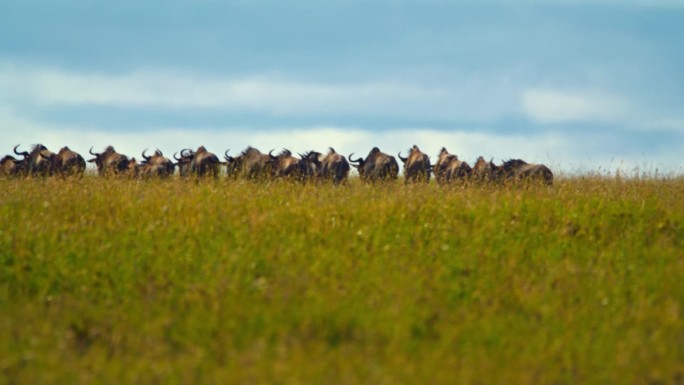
x=270 y=154
x=186 y=149
x=143 y=155
x=359 y=160
x=24 y=153
x=174 y=156
x=400 y=157
x=91 y=151
x=158 y=153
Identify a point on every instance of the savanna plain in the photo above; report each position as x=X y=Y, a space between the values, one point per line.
x=122 y=281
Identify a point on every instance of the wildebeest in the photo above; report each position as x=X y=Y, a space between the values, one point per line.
x=156 y=165
x=251 y=164
x=184 y=161
x=485 y=172
x=449 y=168
x=68 y=163
x=286 y=166
x=10 y=166
x=39 y=162
x=199 y=163
x=377 y=166
x=334 y=167
x=416 y=166
x=311 y=163
x=110 y=162
x=134 y=168
x=519 y=170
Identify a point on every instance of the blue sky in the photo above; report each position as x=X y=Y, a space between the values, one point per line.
x=579 y=85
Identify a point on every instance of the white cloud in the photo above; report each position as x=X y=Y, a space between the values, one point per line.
x=555 y=106
x=268 y=94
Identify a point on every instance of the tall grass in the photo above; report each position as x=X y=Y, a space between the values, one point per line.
x=232 y=282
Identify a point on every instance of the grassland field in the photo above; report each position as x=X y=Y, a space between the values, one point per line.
x=177 y=282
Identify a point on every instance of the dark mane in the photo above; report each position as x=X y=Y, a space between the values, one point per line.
x=513 y=163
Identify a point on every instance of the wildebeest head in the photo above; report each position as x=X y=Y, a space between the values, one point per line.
x=311 y=163
x=16 y=167
x=110 y=162
x=376 y=166
x=232 y=164
x=39 y=161
x=156 y=165
x=416 y=165
x=183 y=163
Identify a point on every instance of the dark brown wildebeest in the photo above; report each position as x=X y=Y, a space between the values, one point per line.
x=110 y=162
x=68 y=163
x=200 y=163
x=156 y=165
x=39 y=162
x=416 y=166
x=334 y=167
x=286 y=166
x=250 y=164
x=377 y=166
x=449 y=168
x=10 y=166
x=518 y=170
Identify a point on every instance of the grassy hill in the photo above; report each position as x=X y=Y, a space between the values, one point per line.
x=124 y=281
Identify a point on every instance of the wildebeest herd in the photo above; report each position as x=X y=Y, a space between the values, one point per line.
x=253 y=164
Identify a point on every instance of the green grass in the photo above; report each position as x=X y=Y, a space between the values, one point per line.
x=235 y=282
